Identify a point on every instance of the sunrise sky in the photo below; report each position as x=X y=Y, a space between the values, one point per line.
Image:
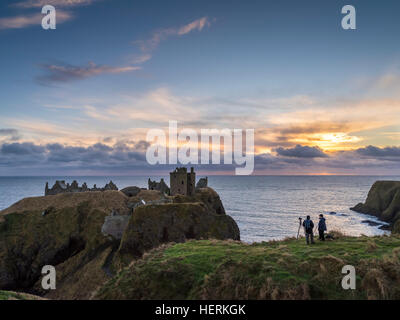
x=79 y=100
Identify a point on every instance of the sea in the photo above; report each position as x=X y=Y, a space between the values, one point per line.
x=264 y=207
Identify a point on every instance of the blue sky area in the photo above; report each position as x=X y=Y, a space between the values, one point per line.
x=322 y=100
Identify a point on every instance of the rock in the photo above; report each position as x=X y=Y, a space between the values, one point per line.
x=208 y=196
x=131 y=191
x=68 y=238
x=134 y=204
x=202 y=183
x=371 y=223
x=385 y=227
x=396 y=227
x=332 y=213
x=152 y=225
x=115 y=225
x=383 y=201
x=86 y=236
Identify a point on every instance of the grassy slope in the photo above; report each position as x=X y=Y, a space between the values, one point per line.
x=11 y=295
x=286 y=269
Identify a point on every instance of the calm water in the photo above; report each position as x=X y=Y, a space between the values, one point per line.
x=265 y=207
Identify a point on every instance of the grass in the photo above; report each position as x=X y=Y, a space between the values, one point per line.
x=11 y=295
x=288 y=269
x=7 y=295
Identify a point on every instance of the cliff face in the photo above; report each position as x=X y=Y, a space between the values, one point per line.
x=180 y=218
x=80 y=234
x=63 y=231
x=153 y=225
x=383 y=201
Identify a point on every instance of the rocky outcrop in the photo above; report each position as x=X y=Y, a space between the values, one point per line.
x=152 y=225
x=68 y=237
x=383 y=201
x=115 y=225
x=88 y=235
x=202 y=183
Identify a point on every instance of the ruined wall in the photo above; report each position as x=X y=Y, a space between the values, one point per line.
x=61 y=187
x=191 y=180
x=159 y=186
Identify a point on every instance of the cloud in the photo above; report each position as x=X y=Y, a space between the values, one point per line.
x=163 y=34
x=390 y=153
x=198 y=25
x=125 y=156
x=301 y=152
x=25 y=148
x=141 y=58
x=66 y=73
x=55 y=155
x=57 y=3
x=12 y=134
x=155 y=107
x=23 y=21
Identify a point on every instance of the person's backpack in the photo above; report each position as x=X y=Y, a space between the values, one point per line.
x=307 y=225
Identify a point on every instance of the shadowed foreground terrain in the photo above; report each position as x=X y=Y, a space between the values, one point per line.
x=10 y=295
x=288 y=269
x=89 y=236
x=113 y=245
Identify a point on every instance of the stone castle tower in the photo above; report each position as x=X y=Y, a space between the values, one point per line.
x=183 y=182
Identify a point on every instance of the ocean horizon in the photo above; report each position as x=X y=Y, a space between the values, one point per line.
x=264 y=207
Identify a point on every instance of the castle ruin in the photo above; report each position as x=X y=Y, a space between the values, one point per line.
x=61 y=187
x=183 y=182
x=159 y=186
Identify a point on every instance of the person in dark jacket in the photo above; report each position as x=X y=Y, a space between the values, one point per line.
x=321 y=227
x=309 y=230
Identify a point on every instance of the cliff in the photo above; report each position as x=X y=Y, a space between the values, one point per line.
x=80 y=234
x=383 y=201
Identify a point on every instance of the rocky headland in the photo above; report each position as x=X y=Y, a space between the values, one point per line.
x=89 y=236
x=145 y=244
x=383 y=201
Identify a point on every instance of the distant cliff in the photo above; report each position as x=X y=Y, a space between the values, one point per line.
x=383 y=201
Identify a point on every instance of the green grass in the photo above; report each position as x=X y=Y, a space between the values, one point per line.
x=287 y=269
x=6 y=295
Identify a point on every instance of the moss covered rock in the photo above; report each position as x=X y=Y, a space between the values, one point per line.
x=63 y=231
x=152 y=225
x=383 y=201
x=80 y=234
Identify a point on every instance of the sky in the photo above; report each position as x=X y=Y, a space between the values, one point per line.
x=79 y=100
